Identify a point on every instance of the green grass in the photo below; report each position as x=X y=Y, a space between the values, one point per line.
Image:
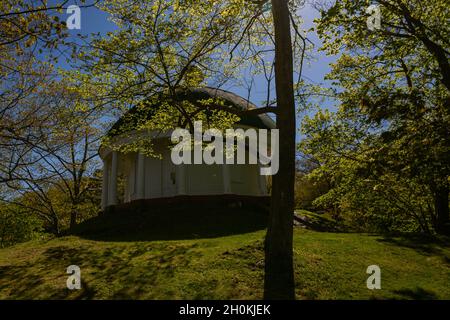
x=225 y=266
x=320 y=222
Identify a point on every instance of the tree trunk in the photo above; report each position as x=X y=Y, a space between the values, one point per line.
x=441 y=209
x=55 y=225
x=279 y=273
x=73 y=217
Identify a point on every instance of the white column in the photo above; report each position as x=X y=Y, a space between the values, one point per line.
x=226 y=178
x=262 y=183
x=140 y=176
x=181 y=179
x=112 y=198
x=105 y=186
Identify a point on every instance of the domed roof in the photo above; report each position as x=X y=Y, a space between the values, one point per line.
x=230 y=99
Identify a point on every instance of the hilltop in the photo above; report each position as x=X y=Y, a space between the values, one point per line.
x=222 y=266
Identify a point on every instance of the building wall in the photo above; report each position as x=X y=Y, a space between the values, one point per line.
x=129 y=175
x=161 y=177
x=204 y=179
x=245 y=179
x=153 y=177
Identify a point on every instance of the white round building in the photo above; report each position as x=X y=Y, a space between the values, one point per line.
x=133 y=177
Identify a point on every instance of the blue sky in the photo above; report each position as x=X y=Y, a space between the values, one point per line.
x=94 y=20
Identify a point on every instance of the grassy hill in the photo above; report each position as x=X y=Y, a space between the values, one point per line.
x=136 y=261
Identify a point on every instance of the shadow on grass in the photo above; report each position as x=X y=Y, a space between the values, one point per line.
x=129 y=270
x=176 y=223
x=316 y=222
x=416 y=294
x=424 y=244
x=125 y=272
